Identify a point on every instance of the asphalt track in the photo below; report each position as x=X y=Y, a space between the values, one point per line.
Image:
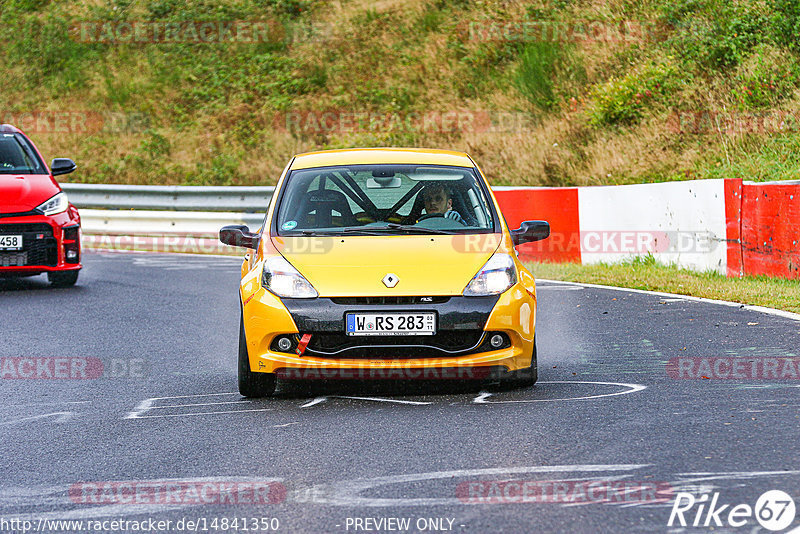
x=605 y=410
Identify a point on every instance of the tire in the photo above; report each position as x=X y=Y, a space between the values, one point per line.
x=522 y=377
x=62 y=278
x=252 y=384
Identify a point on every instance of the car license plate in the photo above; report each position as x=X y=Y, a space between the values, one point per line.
x=10 y=242
x=391 y=324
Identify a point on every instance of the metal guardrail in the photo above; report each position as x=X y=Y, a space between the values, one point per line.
x=159 y=223
x=170 y=197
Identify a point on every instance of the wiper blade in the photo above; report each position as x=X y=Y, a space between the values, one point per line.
x=418 y=229
x=394 y=227
x=371 y=230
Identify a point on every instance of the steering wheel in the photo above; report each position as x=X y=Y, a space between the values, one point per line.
x=430 y=215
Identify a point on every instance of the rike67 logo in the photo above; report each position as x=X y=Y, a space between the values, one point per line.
x=774 y=510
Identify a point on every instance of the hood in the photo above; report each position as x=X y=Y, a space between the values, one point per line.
x=354 y=266
x=23 y=192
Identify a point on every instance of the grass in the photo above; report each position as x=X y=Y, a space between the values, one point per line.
x=760 y=291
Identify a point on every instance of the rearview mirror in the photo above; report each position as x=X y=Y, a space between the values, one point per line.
x=62 y=166
x=238 y=235
x=377 y=183
x=530 y=231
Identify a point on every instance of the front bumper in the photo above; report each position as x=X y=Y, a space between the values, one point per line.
x=266 y=318
x=50 y=243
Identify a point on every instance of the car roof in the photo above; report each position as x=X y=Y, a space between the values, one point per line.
x=366 y=156
x=7 y=128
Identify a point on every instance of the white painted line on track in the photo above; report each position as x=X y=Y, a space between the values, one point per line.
x=632 y=388
x=315 y=401
x=198 y=413
x=380 y=399
x=726 y=475
x=320 y=400
x=57 y=403
x=149 y=404
x=199 y=404
x=193 y=396
x=760 y=309
x=61 y=418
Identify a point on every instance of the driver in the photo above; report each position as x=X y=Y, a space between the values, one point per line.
x=439 y=201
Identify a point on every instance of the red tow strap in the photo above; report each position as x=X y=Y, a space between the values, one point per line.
x=301 y=347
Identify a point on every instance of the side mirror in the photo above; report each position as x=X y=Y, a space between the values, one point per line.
x=530 y=231
x=238 y=235
x=62 y=166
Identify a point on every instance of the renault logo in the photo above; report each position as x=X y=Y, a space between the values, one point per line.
x=390 y=280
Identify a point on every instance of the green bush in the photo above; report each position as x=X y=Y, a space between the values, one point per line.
x=714 y=33
x=623 y=101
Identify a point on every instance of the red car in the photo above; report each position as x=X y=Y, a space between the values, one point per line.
x=40 y=231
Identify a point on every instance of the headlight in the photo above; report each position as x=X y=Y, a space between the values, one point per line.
x=56 y=204
x=497 y=275
x=285 y=281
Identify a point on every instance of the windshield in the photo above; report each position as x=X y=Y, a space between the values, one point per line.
x=17 y=156
x=394 y=199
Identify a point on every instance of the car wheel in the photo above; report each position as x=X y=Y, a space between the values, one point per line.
x=62 y=278
x=252 y=384
x=523 y=377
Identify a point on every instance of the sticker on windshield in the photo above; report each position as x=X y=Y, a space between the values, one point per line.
x=289 y=225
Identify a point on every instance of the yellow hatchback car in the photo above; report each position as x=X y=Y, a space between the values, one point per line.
x=384 y=263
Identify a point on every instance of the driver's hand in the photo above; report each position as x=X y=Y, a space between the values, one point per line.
x=454 y=215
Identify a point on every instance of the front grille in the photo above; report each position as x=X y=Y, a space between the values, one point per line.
x=441 y=344
x=20 y=214
x=363 y=301
x=39 y=247
x=20 y=228
x=13 y=259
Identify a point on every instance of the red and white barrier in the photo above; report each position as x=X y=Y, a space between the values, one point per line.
x=729 y=226
x=770 y=229
x=677 y=222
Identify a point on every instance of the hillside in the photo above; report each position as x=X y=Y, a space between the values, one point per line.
x=556 y=92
